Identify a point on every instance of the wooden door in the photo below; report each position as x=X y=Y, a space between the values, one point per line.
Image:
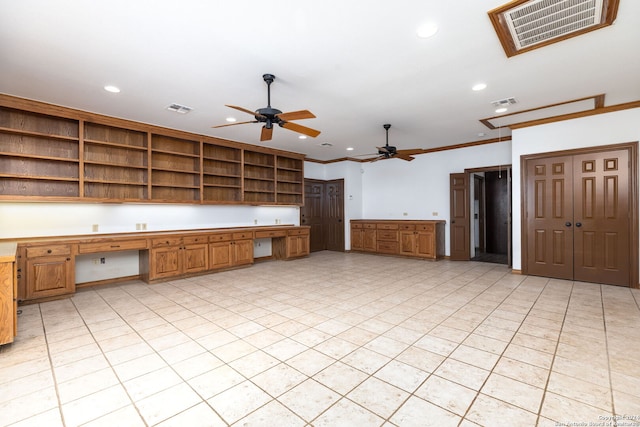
x=549 y=217
x=312 y=213
x=323 y=211
x=601 y=217
x=497 y=211
x=334 y=215
x=459 y=225
x=578 y=217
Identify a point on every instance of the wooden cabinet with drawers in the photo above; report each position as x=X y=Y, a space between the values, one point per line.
x=48 y=270
x=412 y=238
x=175 y=256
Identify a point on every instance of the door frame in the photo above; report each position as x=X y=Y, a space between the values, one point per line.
x=632 y=147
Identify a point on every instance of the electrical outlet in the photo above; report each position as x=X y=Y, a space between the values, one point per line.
x=94 y=228
x=405 y=213
x=434 y=213
x=138 y=226
x=103 y=261
x=144 y=225
x=96 y=261
x=255 y=222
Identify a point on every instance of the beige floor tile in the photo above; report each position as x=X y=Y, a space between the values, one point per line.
x=488 y=411
x=448 y=395
x=345 y=413
x=86 y=384
x=378 y=396
x=340 y=377
x=365 y=360
x=167 y=403
x=436 y=345
x=476 y=357
x=357 y=336
x=26 y=385
x=94 y=406
x=311 y=337
x=528 y=355
x=271 y=414
x=239 y=401
x=124 y=417
x=200 y=415
x=402 y=375
x=254 y=363
x=215 y=381
x=462 y=373
x=565 y=410
x=582 y=391
x=416 y=412
x=517 y=393
x=421 y=359
x=309 y=399
x=310 y=362
x=279 y=379
x=151 y=383
x=386 y=346
x=522 y=371
x=29 y=405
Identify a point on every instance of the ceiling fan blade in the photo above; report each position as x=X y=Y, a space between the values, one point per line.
x=266 y=133
x=296 y=115
x=404 y=157
x=410 y=152
x=233 y=124
x=301 y=129
x=383 y=149
x=244 y=110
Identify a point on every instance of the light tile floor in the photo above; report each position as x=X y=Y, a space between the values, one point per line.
x=331 y=340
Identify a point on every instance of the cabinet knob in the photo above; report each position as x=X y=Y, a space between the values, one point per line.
x=578 y=224
x=48 y=251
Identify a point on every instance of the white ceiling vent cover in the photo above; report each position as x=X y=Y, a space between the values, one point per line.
x=177 y=108
x=523 y=25
x=504 y=102
x=542 y=20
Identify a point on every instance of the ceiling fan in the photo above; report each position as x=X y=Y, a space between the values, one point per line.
x=389 y=151
x=272 y=116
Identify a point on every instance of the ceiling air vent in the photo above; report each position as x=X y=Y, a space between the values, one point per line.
x=523 y=25
x=503 y=102
x=177 y=108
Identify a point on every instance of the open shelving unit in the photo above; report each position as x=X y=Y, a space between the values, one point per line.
x=52 y=153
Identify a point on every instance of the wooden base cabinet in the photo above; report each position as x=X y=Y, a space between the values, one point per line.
x=170 y=257
x=363 y=237
x=421 y=239
x=298 y=243
x=230 y=249
x=49 y=271
x=8 y=293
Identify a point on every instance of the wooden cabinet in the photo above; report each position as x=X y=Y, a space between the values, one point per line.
x=230 y=250
x=176 y=256
x=54 y=153
x=49 y=271
x=413 y=238
x=8 y=293
x=364 y=237
x=297 y=243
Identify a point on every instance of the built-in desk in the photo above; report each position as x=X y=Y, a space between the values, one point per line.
x=46 y=265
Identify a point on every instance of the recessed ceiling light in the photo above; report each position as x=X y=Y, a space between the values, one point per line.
x=427 y=30
x=302 y=136
x=481 y=134
x=501 y=110
x=231 y=119
x=112 y=89
x=479 y=86
x=349 y=148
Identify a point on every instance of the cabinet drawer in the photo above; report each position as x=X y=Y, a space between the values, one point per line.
x=407 y=227
x=166 y=241
x=388 y=247
x=88 y=248
x=38 y=251
x=368 y=225
x=190 y=240
x=243 y=235
x=388 y=235
x=299 y=232
x=425 y=227
x=356 y=225
x=219 y=237
x=270 y=233
x=387 y=226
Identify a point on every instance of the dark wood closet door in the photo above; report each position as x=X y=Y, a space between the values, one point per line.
x=549 y=217
x=334 y=215
x=460 y=217
x=601 y=215
x=311 y=213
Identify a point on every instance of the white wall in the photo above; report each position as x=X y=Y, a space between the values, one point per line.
x=603 y=129
x=69 y=219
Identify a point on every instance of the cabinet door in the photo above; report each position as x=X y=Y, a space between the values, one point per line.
x=220 y=255
x=407 y=243
x=165 y=262
x=7 y=303
x=196 y=258
x=304 y=242
x=356 y=239
x=369 y=240
x=425 y=244
x=243 y=252
x=297 y=246
x=49 y=276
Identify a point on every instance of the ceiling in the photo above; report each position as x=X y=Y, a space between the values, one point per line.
x=355 y=65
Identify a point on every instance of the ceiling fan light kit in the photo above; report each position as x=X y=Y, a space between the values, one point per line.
x=272 y=116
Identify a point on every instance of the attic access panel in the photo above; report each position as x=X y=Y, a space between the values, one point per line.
x=524 y=25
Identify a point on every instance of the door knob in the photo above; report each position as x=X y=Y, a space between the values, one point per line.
x=578 y=224
x=567 y=224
